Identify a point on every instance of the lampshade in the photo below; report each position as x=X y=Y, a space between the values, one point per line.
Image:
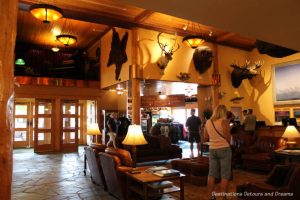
x=46 y=13
x=67 y=40
x=134 y=136
x=193 y=41
x=291 y=132
x=20 y=61
x=55 y=49
x=93 y=129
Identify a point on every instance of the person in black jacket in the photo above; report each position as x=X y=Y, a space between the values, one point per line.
x=193 y=125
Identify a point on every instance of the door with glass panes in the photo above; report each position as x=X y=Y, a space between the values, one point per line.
x=23 y=131
x=69 y=120
x=44 y=125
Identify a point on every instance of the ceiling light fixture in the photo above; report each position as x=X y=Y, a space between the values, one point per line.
x=45 y=12
x=55 y=49
x=66 y=39
x=194 y=40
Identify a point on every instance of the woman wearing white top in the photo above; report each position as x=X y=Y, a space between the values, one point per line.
x=218 y=132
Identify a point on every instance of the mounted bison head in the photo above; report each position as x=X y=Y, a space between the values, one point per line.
x=240 y=73
x=202 y=59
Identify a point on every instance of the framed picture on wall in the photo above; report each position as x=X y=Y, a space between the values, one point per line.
x=296 y=113
x=281 y=114
x=286 y=83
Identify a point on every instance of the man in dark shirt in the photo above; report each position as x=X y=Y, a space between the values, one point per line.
x=193 y=125
x=112 y=129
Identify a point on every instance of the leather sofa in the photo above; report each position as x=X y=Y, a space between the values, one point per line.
x=93 y=161
x=158 y=148
x=260 y=155
x=283 y=179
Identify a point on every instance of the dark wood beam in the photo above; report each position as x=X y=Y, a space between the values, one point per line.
x=143 y=16
x=225 y=36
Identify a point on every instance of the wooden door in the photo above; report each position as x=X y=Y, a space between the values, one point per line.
x=23 y=130
x=69 y=125
x=44 y=125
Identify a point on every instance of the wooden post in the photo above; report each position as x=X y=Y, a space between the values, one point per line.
x=215 y=88
x=135 y=82
x=8 y=16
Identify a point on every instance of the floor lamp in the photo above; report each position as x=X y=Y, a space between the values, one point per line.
x=134 y=137
x=93 y=131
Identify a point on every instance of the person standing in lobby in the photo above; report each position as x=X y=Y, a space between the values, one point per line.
x=217 y=131
x=250 y=123
x=112 y=125
x=193 y=125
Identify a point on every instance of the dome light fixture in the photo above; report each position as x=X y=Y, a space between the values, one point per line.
x=45 y=12
x=193 y=41
x=66 y=39
x=20 y=61
x=55 y=49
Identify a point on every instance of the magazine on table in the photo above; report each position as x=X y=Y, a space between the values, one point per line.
x=155 y=169
x=167 y=172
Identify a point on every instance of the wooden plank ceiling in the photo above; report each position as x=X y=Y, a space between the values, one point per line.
x=91 y=19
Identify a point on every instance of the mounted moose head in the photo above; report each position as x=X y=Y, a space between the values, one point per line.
x=166 y=57
x=240 y=73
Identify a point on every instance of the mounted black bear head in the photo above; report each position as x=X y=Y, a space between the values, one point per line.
x=202 y=59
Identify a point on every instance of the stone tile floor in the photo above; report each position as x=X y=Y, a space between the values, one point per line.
x=52 y=177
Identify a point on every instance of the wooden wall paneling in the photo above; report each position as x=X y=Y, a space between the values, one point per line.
x=215 y=88
x=8 y=14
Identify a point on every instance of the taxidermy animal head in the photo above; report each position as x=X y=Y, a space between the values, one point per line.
x=202 y=59
x=163 y=61
x=117 y=53
x=240 y=73
x=273 y=50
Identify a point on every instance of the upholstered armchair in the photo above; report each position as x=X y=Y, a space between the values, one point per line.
x=283 y=180
x=115 y=163
x=260 y=155
x=92 y=159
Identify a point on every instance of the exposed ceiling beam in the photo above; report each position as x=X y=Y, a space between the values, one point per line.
x=143 y=16
x=225 y=36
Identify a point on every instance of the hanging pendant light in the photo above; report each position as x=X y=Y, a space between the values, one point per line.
x=55 y=49
x=193 y=41
x=66 y=39
x=45 y=12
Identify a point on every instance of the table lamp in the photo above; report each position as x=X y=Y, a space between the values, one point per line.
x=93 y=130
x=134 y=137
x=291 y=133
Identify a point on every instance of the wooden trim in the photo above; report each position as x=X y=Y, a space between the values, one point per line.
x=143 y=16
x=91 y=43
x=225 y=36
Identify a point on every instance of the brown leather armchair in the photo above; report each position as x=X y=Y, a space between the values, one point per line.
x=260 y=155
x=115 y=163
x=92 y=158
x=283 y=180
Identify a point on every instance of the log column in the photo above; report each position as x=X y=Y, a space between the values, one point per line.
x=135 y=82
x=8 y=16
x=215 y=83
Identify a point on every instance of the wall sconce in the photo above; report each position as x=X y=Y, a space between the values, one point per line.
x=207 y=99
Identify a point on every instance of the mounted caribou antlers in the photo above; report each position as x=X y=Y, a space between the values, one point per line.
x=240 y=73
x=166 y=57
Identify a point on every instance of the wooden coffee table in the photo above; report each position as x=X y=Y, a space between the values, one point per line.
x=146 y=178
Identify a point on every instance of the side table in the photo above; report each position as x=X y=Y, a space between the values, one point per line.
x=287 y=155
x=146 y=178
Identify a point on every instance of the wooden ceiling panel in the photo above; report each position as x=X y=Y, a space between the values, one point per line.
x=112 y=14
x=32 y=30
x=167 y=20
x=107 y=7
